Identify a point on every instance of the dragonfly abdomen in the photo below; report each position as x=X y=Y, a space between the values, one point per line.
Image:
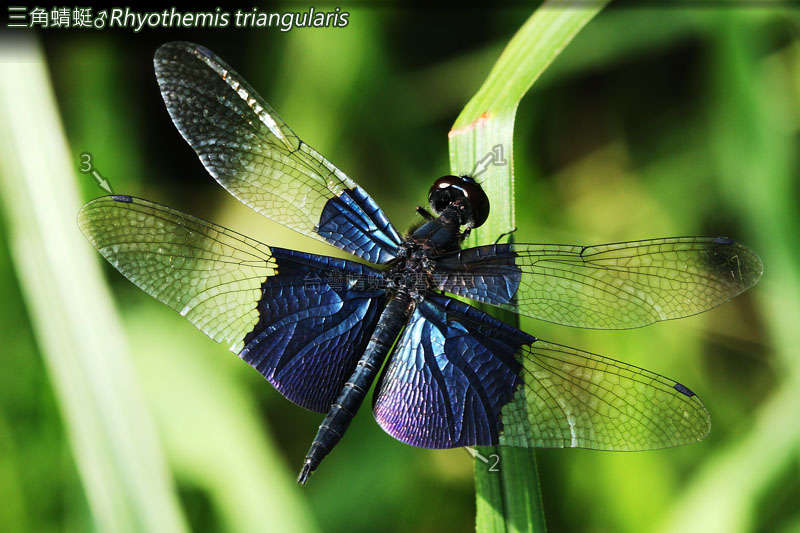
x=342 y=411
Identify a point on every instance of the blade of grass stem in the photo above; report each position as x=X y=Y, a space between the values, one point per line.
x=115 y=446
x=510 y=500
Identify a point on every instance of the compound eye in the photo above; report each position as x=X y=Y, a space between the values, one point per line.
x=477 y=200
x=443 y=192
x=464 y=192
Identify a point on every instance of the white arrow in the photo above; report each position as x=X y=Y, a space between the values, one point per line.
x=476 y=454
x=483 y=164
x=102 y=182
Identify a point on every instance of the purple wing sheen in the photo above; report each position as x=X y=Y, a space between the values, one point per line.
x=315 y=318
x=609 y=286
x=251 y=152
x=459 y=377
x=448 y=378
x=300 y=319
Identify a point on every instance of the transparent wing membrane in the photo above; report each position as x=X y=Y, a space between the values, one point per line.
x=609 y=286
x=576 y=399
x=207 y=273
x=251 y=152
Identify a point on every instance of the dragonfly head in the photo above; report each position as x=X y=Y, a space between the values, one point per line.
x=464 y=196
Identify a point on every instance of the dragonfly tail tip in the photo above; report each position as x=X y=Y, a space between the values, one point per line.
x=305 y=473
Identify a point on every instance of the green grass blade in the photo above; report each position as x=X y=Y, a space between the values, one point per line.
x=230 y=461
x=510 y=499
x=217 y=442
x=119 y=458
x=537 y=43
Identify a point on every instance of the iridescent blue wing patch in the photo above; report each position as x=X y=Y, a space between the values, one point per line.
x=315 y=319
x=300 y=319
x=251 y=152
x=448 y=379
x=609 y=286
x=460 y=377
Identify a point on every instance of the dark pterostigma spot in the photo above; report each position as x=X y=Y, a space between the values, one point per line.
x=723 y=240
x=683 y=389
x=204 y=51
x=122 y=198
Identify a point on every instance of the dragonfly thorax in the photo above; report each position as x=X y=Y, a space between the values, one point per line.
x=411 y=272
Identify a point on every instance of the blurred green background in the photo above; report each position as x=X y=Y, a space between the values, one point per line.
x=653 y=122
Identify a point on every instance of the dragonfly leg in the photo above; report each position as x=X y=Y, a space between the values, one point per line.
x=424 y=213
x=505 y=234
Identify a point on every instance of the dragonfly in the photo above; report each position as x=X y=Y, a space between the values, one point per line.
x=322 y=329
